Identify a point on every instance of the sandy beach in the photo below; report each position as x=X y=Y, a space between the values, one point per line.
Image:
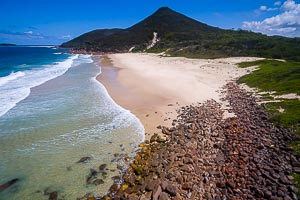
x=152 y=86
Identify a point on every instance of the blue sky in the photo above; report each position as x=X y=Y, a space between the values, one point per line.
x=54 y=22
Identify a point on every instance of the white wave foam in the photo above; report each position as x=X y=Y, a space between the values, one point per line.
x=124 y=116
x=16 y=86
x=85 y=58
x=12 y=76
x=45 y=46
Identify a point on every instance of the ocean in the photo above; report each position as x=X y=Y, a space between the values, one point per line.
x=52 y=113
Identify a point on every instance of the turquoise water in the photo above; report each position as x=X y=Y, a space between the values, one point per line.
x=22 y=68
x=60 y=121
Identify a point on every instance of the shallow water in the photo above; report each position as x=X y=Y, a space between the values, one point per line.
x=62 y=120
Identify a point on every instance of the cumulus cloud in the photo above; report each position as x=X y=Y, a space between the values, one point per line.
x=289 y=5
x=286 y=23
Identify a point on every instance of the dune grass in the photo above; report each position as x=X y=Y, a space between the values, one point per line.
x=290 y=117
x=282 y=78
x=273 y=75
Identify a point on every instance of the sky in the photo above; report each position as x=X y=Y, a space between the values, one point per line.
x=41 y=22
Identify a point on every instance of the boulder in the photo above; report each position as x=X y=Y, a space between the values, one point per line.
x=84 y=159
x=9 y=183
x=172 y=190
x=102 y=167
x=163 y=196
x=98 y=182
x=156 y=192
x=53 y=196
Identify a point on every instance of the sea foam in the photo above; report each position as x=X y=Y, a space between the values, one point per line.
x=12 y=76
x=16 y=86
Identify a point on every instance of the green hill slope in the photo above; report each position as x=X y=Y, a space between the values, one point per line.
x=179 y=35
x=86 y=40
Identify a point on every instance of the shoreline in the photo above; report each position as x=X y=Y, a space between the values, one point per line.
x=153 y=87
x=154 y=110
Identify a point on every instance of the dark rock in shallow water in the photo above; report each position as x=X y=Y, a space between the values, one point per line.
x=87 y=196
x=51 y=192
x=104 y=174
x=93 y=172
x=98 y=181
x=84 y=159
x=8 y=184
x=120 y=167
x=53 y=196
x=102 y=167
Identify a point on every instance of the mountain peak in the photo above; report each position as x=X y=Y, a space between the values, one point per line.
x=163 y=9
x=166 y=11
x=179 y=35
x=166 y=20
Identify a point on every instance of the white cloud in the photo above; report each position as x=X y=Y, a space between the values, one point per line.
x=286 y=23
x=66 y=37
x=28 y=32
x=285 y=30
x=277 y=3
x=272 y=9
x=30 y=37
x=289 y=5
x=263 y=8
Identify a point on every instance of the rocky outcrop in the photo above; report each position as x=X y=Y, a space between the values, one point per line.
x=155 y=39
x=207 y=157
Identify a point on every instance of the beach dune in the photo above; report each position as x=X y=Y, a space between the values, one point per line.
x=152 y=86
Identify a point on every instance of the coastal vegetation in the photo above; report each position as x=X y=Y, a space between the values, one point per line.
x=277 y=78
x=86 y=41
x=274 y=75
x=180 y=35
